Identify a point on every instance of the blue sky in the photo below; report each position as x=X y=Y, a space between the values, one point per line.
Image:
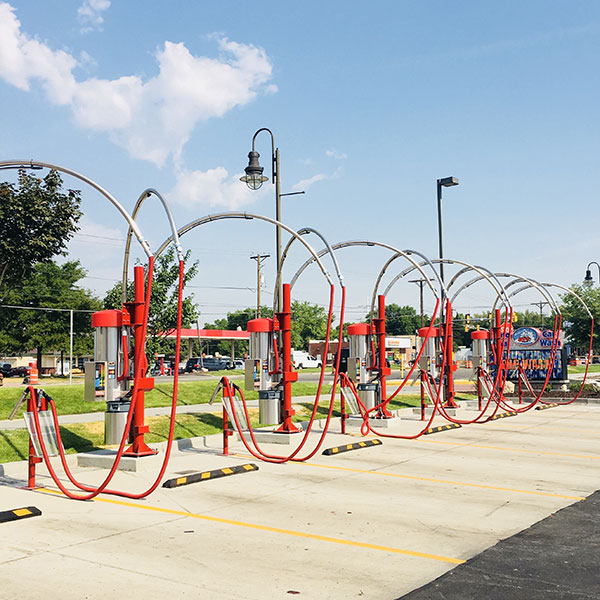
x=369 y=105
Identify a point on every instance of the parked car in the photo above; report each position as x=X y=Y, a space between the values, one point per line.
x=238 y=363
x=209 y=363
x=5 y=369
x=19 y=372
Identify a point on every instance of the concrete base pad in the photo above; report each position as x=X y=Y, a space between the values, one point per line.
x=268 y=437
x=416 y=413
x=358 y=421
x=104 y=459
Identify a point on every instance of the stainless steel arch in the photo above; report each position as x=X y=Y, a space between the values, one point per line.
x=249 y=216
x=482 y=271
x=132 y=224
x=138 y=205
x=328 y=248
x=532 y=283
x=570 y=291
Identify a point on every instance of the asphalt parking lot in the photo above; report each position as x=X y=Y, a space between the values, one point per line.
x=378 y=522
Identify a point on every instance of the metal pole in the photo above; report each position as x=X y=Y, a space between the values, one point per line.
x=440 y=230
x=71 y=347
x=258 y=258
x=421 y=283
x=278 y=231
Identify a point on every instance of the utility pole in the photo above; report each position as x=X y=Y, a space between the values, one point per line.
x=421 y=283
x=259 y=258
x=541 y=305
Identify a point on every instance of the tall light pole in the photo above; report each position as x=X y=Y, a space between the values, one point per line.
x=259 y=258
x=445 y=182
x=588 y=273
x=254 y=179
x=421 y=282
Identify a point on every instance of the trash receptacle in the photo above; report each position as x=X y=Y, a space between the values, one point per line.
x=115 y=420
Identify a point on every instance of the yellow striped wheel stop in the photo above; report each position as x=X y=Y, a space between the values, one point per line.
x=19 y=513
x=504 y=415
x=206 y=475
x=442 y=428
x=545 y=406
x=349 y=447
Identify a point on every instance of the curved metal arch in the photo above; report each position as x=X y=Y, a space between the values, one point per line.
x=351 y=243
x=328 y=249
x=138 y=205
x=490 y=277
x=132 y=224
x=570 y=291
x=406 y=254
x=532 y=283
x=249 y=216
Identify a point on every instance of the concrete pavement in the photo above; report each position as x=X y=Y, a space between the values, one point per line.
x=372 y=523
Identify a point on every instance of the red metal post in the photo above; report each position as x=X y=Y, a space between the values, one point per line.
x=423 y=401
x=136 y=308
x=34 y=459
x=450 y=366
x=288 y=375
x=343 y=415
x=479 y=375
x=226 y=430
x=383 y=369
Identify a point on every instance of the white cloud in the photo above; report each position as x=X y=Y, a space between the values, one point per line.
x=151 y=119
x=335 y=154
x=304 y=184
x=89 y=14
x=211 y=189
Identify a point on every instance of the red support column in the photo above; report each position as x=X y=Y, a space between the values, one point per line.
x=383 y=369
x=136 y=308
x=450 y=366
x=288 y=374
x=34 y=459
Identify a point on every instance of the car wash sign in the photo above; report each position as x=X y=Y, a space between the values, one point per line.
x=532 y=348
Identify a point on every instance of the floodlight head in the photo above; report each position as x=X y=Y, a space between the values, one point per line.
x=448 y=181
x=254 y=177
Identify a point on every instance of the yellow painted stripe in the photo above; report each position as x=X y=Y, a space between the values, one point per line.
x=444 y=481
x=291 y=532
x=362 y=444
x=334 y=450
x=248 y=467
x=227 y=471
x=591 y=457
x=205 y=475
x=441 y=481
x=181 y=480
x=21 y=512
x=349 y=446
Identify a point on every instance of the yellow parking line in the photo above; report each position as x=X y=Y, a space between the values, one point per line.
x=445 y=481
x=311 y=536
x=544 y=452
x=441 y=481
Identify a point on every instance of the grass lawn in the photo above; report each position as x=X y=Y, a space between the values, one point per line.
x=581 y=369
x=85 y=437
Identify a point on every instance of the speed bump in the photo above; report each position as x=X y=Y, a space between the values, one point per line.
x=205 y=475
x=545 y=406
x=504 y=415
x=349 y=447
x=441 y=428
x=19 y=513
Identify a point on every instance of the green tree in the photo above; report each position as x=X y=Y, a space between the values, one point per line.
x=309 y=322
x=576 y=321
x=162 y=316
x=48 y=286
x=400 y=320
x=37 y=219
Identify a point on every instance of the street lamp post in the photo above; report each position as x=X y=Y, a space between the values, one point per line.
x=254 y=179
x=445 y=182
x=259 y=258
x=588 y=273
x=446 y=308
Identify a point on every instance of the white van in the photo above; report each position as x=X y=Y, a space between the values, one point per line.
x=303 y=360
